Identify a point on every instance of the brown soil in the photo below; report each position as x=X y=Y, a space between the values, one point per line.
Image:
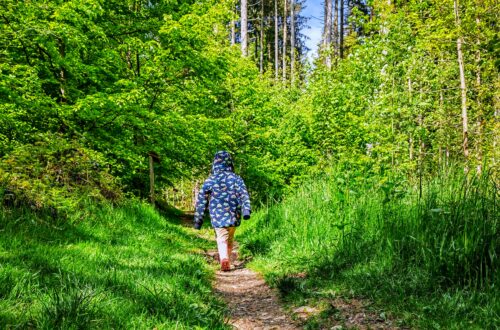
x=252 y=304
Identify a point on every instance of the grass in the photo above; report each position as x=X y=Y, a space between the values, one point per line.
x=429 y=259
x=122 y=267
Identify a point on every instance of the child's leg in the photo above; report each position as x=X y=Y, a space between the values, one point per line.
x=230 y=240
x=222 y=242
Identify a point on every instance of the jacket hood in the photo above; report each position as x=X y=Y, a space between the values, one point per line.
x=222 y=162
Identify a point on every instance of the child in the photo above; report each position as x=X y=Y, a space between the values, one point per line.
x=227 y=196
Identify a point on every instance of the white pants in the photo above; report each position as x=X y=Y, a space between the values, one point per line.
x=225 y=239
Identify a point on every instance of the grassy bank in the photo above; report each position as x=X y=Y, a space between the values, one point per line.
x=428 y=256
x=111 y=267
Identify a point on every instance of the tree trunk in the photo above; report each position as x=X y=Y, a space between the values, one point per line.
x=441 y=126
x=336 y=29
x=283 y=53
x=138 y=64
x=233 y=33
x=328 y=33
x=276 y=38
x=196 y=190
x=269 y=55
x=256 y=46
x=480 y=122
x=233 y=24
x=151 y=180
x=341 y=42
x=463 y=87
x=261 y=55
x=244 y=28
x=62 y=76
x=410 y=98
x=292 y=41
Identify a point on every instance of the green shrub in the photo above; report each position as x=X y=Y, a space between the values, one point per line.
x=55 y=175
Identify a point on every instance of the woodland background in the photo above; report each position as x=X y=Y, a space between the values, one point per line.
x=402 y=103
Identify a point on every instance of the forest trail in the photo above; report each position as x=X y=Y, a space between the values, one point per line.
x=252 y=304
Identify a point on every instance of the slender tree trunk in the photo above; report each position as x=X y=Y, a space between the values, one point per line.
x=233 y=33
x=276 y=39
x=480 y=123
x=129 y=59
x=233 y=24
x=283 y=53
x=421 y=143
x=196 y=190
x=341 y=42
x=328 y=33
x=410 y=98
x=62 y=75
x=138 y=63
x=410 y=142
x=151 y=180
x=256 y=47
x=261 y=57
x=244 y=28
x=269 y=53
x=421 y=146
x=336 y=29
x=441 y=126
x=292 y=41
x=496 y=123
x=137 y=55
x=323 y=36
x=463 y=87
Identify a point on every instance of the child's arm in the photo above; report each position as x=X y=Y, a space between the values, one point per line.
x=244 y=199
x=202 y=203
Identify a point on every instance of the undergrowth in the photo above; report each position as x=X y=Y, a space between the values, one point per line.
x=427 y=254
x=122 y=267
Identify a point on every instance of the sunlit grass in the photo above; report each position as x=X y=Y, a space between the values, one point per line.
x=433 y=259
x=119 y=267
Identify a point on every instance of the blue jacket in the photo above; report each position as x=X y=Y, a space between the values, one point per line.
x=225 y=193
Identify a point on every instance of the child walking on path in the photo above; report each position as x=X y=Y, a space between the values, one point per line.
x=227 y=199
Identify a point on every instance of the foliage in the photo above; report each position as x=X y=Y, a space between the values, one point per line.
x=56 y=176
x=396 y=98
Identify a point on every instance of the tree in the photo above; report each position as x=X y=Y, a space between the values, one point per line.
x=285 y=36
x=327 y=33
x=463 y=86
x=341 y=37
x=244 y=27
x=276 y=41
x=292 y=41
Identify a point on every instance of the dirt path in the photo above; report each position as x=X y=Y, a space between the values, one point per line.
x=252 y=304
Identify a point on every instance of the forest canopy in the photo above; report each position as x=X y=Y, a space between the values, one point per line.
x=90 y=89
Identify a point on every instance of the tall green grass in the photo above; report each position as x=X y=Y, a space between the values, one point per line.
x=108 y=267
x=430 y=253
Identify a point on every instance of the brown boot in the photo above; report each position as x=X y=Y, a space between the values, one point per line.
x=225 y=265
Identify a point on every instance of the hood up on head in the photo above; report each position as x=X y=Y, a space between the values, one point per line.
x=222 y=162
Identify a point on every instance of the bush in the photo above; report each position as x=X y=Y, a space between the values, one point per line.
x=55 y=175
